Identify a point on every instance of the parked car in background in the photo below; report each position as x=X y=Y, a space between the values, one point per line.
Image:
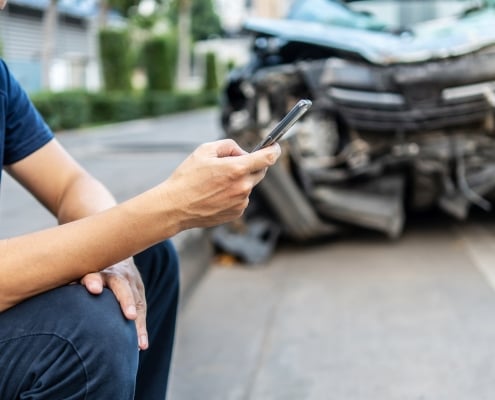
x=402 y=118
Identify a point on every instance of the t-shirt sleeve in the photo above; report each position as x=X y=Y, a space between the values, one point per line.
x=25 y=129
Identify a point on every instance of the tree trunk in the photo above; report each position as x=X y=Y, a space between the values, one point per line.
x=103 y=13
x=49 y=38
x=184 y=44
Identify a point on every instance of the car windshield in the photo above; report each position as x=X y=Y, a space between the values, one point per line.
x=381 y=14
x=405 y=13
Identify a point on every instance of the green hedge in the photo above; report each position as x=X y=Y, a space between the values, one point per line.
x=64 y=110
x=160 y=103
x=115 y=107
x=159 y=58
x=74 y=109
x=211 y=73
x=116 y=58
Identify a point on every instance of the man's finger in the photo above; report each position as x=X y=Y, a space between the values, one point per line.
x=93 y=283
x=124 y=295
x=258 y=176
x=141 y=309
x=141 y=326
x=228 y=148
x=263 y=158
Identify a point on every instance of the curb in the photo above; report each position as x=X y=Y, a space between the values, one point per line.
x=195 y=254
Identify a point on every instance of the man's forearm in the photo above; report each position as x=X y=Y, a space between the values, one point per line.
x=84 y=197
x=66 y=253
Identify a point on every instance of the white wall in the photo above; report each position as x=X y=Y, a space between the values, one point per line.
x=75 y=53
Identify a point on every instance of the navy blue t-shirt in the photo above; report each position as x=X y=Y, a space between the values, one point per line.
x=22 y=129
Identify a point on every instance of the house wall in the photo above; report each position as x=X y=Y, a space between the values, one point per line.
x=270 y=8
x=21 y=33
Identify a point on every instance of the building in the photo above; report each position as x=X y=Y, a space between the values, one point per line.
x=75 y=49
x=234 y=12
x=269 y=8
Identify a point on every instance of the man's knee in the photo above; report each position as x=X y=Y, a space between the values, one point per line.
x=110 y=344
x=89 y=335
x=106 y=340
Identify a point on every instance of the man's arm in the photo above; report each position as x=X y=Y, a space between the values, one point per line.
x=210 y=187
x=70 y=193
x=61 y=184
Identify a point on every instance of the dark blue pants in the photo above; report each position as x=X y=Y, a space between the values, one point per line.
x=69 y=344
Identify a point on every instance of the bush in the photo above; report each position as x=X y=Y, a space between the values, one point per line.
x=64 y=110
x=230 y=65
x=159 y=63
x=191 y=101
x=211 y=73
x=115 y=56
x=115 y=107
x=74 y=109
x=209 y=98
x=160 y=103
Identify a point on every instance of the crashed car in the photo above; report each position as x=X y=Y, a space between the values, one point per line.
x=402 y=121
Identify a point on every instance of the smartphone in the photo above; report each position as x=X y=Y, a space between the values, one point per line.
x=285 y=124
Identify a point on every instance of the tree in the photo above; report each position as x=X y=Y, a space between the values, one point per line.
x=122 y=6
x=211 y=73
x=158 y=56
x=205 y=22
x=184 y=42
x=195 y=20
x=48 y=48
x=115 y=59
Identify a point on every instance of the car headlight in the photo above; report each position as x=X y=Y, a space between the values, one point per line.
x=348 y=74
x=469 y=91
x=367 y=98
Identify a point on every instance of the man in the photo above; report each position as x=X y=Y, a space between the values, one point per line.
x=77 y=301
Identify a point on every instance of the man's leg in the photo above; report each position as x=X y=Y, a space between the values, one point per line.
x=67 y=344
x=160 y=272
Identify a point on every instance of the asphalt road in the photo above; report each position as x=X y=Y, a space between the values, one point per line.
x=356 y=318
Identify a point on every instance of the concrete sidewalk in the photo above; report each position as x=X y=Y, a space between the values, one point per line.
x=128 y=158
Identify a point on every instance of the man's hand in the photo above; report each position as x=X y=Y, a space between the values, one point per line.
x=124 y=280
x=213 y=184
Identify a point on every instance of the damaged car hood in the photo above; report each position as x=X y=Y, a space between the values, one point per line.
x=365 y=37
